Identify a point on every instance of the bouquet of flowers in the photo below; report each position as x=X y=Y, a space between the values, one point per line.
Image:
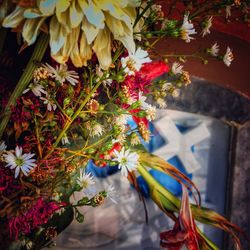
x=92 y=66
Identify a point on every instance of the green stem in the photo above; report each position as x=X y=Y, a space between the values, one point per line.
x=184 y=56
x=68 y=123
x=175 y=202
x=37 y=56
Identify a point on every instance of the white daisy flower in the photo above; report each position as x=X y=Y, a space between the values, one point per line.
x=19 y=161
x=50 y=104
x=134 y=62
x=86 y=181
x=36 y=88
x=96 y=130
x=228 y=57
x=214 y=50
x=2 y=146
x=208 y=25
x=65 y=140
x=127 y=160
x=187 y=29
x=62 y=74
x=111 y=193
x=177 y=68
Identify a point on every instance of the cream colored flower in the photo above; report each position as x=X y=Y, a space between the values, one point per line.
x=36 y=88
x=65 y=140
x=187 y=29
x=135 y=61
x=62 y=74
x=151 y=113
x=214 y=50
x=96 y=129
x=177 y=68
x=167 y=86
x=176 y=93
x=161 y=102
x=228 y=57
x=207 y=26
x=78 y=27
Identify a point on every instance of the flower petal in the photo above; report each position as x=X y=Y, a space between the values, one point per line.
x=57 y=35
x=85 y=50
x=14 y=19
x=47 y=7
x=93 y=14
x=121 y=32
x=102 y=48
x=31 y=29
x=76 y=14
x=75 y=54
x=90 y=30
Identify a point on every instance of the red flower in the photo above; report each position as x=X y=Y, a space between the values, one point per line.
x=147 y=73
x=184 y=231
x=152 y=70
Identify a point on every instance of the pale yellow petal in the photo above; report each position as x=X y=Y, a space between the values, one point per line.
x=102 y=48
x=76 y=14
x=14 y=18
x=63 y=18
x=47 y=7
x=75 y=53
x=90 y=30
x=31 y=29
x=62 y=5
x=62 y=56
x=57 y=35
x=94 y=14
x=85 y=50
x=121 y=32
x=32 y=13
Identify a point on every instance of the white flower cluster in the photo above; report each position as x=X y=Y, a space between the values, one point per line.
x=59 y=73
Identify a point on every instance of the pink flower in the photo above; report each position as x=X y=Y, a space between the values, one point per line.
x=34 y=217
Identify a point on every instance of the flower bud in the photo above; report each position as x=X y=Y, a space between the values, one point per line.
x=66 y=101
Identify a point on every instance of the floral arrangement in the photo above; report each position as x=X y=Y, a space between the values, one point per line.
x=92 y=67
